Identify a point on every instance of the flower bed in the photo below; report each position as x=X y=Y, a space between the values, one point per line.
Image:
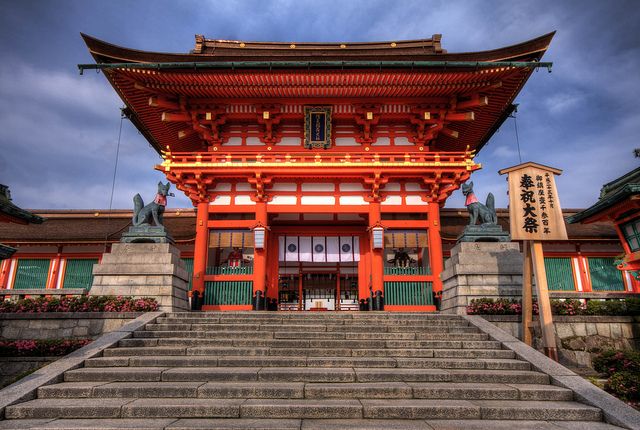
x=40 y=348
x=623 y=370
x=487 y=306
x=80 y=304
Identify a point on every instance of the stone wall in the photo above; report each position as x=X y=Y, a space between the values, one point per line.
x=12 y=368
x=57 y=325
x=579 y=338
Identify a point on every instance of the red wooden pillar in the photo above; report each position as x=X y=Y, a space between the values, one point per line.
x=377 y=264
x=435 y=245
x=56 y=262
x=5 y=265
x=200 y=247
x=260 y=255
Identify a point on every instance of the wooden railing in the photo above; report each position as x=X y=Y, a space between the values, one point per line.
x=204 y=159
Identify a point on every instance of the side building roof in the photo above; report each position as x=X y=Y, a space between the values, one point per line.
x=612 y=194
x=95 y=226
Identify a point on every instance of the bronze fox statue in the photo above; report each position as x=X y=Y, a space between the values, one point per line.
x=477 y=211
x=153 y=211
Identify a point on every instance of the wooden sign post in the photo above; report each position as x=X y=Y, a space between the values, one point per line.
x=535 y=216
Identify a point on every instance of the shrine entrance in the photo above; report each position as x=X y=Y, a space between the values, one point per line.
x=318 y=291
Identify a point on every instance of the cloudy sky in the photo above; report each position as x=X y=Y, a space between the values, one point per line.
x=59 y=130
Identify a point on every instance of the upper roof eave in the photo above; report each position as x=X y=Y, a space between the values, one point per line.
x=104 y=52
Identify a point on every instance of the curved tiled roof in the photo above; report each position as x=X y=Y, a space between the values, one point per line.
x=96 y=226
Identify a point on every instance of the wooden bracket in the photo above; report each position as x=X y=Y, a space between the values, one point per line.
x=260 y=183
x=375 y=182
x=270 y=116
x=366 y=116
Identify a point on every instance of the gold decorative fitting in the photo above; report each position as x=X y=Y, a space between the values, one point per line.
x=242 y=45
x=393 y=44
x=96 y=214
x=268 y=148
x=421 y=148
x=369 y=116
x=343 y=45
x=366 y=148
x=292 y=46
x=215 y=148
x=208 y=116
x=265 y=114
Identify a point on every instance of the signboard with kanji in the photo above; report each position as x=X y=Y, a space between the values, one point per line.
x=534 y=206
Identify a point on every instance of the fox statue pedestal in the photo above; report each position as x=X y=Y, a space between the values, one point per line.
x=143 y=270
x=481 y=269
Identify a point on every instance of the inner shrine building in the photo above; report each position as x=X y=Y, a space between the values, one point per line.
x=318 y=170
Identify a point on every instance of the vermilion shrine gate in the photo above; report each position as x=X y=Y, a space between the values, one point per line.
x=341 y=154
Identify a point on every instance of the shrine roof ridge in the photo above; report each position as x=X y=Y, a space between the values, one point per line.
x=270 y=53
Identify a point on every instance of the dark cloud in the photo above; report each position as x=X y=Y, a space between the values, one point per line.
x=59 y=130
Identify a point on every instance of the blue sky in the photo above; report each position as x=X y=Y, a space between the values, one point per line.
x=59 y=130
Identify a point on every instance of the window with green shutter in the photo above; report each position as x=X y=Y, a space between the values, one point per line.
x=559 y=274
x=604 y=274
x=31 y=273
x=631 y=232
x=78 y=273
x=188 y=262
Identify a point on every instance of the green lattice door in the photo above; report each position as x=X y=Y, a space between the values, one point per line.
x=78 y=273
x=559 y=274
x=188 y=263
x=228 y=293
x=604 y=274
x=31 y=273
x=408 y=293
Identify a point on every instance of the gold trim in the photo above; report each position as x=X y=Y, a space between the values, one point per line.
x=318 y=163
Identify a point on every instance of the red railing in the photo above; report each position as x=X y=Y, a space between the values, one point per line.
x=435 y=158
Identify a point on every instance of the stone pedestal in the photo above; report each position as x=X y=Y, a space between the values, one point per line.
x=143 y=270
x=146 y=233
x=480 y=269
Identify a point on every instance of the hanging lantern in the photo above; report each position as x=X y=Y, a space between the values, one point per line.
x=259 y=237
x=377 y=237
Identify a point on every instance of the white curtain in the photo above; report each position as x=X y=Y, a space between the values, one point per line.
x=319 y=249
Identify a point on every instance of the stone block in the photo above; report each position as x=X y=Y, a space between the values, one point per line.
x=579 y=328
x=616 y=331
x=564 y=331
x=604 y=329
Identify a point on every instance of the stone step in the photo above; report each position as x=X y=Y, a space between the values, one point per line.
x=302 y=374
x=309 y=315
x=301 y=409
x=451 y=375
x=485 y=409
x=313 y=321
x=421 y=335
x=310 y=343
x=304 y=361
x=291 y=390
x=364 y=328
x=297 y=424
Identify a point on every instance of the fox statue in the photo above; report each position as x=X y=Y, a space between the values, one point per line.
x=153 y=211
x=477 y=211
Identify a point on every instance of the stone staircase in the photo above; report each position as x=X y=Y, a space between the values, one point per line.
x=255 y=370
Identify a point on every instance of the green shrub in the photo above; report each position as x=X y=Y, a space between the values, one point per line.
x=612 y=361
x=625 y=385
x=623 y=370
x=489 y=306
